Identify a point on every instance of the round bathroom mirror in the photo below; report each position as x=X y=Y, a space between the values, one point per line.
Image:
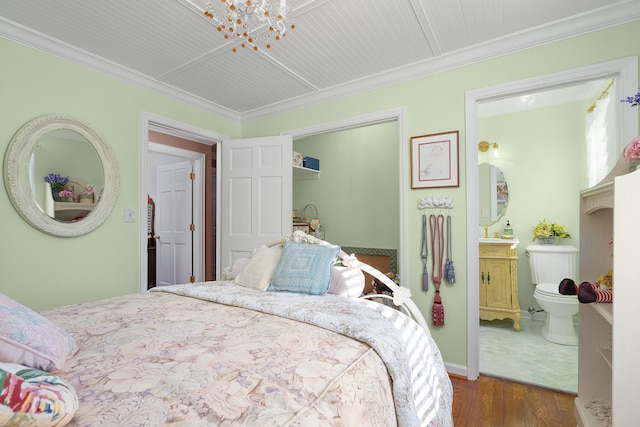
x=61 y=176
x=493 y=194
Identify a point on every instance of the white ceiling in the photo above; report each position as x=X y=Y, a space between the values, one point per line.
x=339 y=47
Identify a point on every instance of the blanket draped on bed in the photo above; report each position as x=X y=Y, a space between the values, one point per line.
x=421 y=388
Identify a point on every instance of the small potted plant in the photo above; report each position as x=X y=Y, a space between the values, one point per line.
x=65 y=196
x=631 y=152
x=548 y=233
x=87 y=195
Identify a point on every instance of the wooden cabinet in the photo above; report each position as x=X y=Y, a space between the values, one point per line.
x=607 y=348
x=499 y=281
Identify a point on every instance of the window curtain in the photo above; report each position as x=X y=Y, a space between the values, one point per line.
x=600 y=134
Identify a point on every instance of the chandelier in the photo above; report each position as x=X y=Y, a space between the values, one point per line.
x=243 y=18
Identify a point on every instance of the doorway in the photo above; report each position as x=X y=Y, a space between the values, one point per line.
x=176 y=140
x=173 y=189
x=624 y=71
x=394 y=115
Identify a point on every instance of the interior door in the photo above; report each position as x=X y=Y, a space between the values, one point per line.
x=174 y=218
x=257 y=193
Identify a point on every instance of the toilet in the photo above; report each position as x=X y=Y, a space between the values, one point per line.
x=549 y=264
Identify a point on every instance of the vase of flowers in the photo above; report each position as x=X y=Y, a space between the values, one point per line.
x=631 y=152
x=57 y=184
x=548 y=233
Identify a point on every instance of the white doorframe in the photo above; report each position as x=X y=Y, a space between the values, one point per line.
x=399 y=115
x=182 y=130
x=626 y=73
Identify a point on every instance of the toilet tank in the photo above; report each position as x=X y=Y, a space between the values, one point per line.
x=552 y=263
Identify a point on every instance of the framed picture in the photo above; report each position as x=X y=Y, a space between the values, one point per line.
x=434 y=160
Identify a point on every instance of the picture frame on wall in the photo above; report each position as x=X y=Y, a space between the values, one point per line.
x=434 y=160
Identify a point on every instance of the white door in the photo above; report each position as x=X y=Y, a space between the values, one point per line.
x=174 y=213
x=257 y=194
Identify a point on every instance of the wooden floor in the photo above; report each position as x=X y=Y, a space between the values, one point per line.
x=494 y=402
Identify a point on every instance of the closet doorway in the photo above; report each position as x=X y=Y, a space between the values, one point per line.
x=360 y=122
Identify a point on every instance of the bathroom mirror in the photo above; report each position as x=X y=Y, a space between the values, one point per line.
x=493 y=194
x=69 y=148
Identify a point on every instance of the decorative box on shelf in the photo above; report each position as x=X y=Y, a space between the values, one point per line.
x=298 y=159
x=311 y=163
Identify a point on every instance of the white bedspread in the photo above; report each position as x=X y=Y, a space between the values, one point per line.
x=422 y=390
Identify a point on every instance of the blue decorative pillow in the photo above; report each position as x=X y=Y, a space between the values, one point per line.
x=304 y=268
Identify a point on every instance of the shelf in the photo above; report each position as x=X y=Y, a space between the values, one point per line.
x=598 y=197
x=68 y=211
x=584 y=417
x=607 y=355
x=300 y=172
x=605 y=310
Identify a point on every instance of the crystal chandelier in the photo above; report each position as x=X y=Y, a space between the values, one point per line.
x=242 y=18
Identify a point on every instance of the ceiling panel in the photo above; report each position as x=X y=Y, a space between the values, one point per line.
x=337 y=44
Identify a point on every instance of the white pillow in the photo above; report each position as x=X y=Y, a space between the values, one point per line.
x=260 y=268
x=346 y=281
x=28 y=338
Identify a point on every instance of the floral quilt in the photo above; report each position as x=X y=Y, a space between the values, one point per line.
x=172 y=357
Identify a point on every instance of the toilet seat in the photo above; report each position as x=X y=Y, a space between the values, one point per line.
x=551 y=289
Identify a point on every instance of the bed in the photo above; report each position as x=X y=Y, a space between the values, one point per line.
x=222 y=353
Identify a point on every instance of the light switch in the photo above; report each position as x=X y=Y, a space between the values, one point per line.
x=129 y=215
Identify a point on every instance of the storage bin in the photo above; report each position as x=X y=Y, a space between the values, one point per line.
x=311 y=163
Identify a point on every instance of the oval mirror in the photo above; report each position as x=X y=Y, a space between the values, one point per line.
x=61 y=176
x=493 y=194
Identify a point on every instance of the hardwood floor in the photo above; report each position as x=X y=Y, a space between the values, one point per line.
x=494 y=402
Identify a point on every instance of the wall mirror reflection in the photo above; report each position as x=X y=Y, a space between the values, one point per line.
x=493 y=194
x=66 y=175
x=60 y=175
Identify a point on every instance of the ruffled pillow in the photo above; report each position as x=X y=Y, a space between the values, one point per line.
x=346 y=281
x=30 y=339
x=31 y=397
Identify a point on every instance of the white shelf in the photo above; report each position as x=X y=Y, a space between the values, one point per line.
x=68 y=211
x=607 y=355
x=584 y=416
x=605 y=310
x=300 y=172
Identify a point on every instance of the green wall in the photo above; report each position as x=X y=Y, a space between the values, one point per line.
x=543 y=156
x=357 y=190
x=436 y=103
x=43 y=271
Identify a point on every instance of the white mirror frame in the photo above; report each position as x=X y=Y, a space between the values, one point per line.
x=16 y=166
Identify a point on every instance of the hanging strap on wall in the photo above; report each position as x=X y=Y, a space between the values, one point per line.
x=436 y=226
x=424 y=254
x=449 y=274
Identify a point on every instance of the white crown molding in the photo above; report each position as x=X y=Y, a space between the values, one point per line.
x=593 y=21
x=28 y=37
x=545 y=34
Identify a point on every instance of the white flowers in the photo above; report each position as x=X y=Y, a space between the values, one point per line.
x=401 y=295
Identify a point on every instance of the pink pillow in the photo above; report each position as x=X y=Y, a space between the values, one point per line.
x=345 y=281
x=28 y=338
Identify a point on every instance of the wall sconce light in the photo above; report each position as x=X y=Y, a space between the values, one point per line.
x=483 y=147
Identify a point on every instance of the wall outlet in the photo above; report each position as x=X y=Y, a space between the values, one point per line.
x=129 y=215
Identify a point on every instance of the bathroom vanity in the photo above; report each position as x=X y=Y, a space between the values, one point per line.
x=498 y=280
